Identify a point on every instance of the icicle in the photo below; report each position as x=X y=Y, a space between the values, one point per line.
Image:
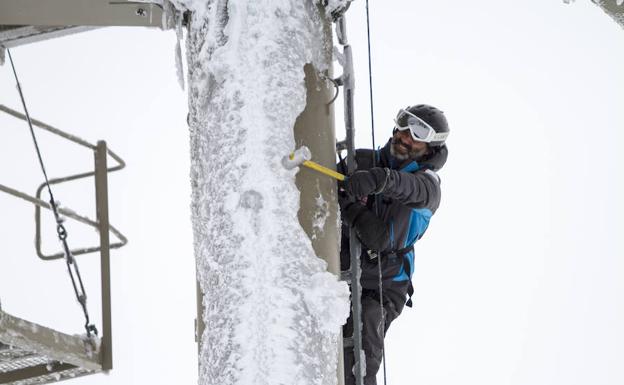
x=178 y=51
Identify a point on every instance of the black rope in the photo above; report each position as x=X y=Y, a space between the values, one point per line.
x=379 y=271
x=72 y=265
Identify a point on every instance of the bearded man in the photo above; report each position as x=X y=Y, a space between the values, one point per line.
x=389 y=201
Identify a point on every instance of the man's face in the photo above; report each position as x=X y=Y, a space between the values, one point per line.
x=404 y=147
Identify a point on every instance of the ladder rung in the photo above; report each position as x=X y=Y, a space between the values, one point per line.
x=342 y=145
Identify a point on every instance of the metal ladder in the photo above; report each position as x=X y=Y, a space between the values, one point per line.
x=352 y=276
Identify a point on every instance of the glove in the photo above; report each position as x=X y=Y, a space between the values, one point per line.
x=352 y=211
x=366 y=182
x=343 y=196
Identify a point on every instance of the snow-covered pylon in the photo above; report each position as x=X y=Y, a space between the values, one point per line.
x=272 y=313
x=614 y=8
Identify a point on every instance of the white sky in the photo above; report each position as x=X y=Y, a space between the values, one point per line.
x=519 y=279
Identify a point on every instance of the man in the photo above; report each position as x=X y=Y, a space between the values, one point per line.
x=389 y=201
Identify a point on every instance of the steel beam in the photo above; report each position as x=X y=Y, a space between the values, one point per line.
x=16 y=35
x=80 y=13
x=101 y=198
x=314 y=128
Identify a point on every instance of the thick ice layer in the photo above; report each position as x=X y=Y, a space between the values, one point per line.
x=272 y=312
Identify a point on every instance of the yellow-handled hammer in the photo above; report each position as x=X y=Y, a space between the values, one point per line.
x=302 y=156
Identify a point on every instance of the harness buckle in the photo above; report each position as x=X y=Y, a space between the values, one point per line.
x=372 y=255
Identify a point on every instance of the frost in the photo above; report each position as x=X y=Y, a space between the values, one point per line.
x=339 y=56
x=178 y=54
x=362 y=363
x=320 y=215
x=272 y=312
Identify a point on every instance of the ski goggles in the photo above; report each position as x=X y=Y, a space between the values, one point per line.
x=420 y=130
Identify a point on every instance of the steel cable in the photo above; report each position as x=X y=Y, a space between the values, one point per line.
x=379 y=271
x=72 y=265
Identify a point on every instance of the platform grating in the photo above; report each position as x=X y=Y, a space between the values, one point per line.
x=14 y=359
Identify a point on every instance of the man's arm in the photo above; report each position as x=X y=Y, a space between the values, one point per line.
x=370 y=229
x=418 y=190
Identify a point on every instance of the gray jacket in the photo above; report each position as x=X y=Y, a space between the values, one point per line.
x=405 y=206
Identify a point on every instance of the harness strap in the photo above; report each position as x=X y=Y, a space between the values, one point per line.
x=410 y=287
x=399 y=252
x=408 y=270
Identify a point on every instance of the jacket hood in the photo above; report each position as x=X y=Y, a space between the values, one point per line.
x=436 y=159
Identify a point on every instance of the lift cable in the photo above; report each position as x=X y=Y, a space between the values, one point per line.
x=72 y=265
x=379 y=272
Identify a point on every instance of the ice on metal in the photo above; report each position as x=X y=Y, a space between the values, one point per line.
x=272 y=312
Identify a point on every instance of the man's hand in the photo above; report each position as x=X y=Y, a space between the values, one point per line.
x=366 y=182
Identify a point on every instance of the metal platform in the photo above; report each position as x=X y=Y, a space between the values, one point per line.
x=34 y=354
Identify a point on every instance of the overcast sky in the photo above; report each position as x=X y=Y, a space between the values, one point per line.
x=520 y=277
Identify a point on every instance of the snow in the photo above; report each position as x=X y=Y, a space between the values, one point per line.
x=321 y=215
x=272 y=312
x=321 y=300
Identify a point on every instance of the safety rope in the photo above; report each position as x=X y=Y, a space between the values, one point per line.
x=72 y=265
x=379 y=271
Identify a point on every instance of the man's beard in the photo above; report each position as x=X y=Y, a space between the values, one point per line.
x=408 y=154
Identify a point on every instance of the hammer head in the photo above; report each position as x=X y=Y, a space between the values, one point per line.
x=296 y=158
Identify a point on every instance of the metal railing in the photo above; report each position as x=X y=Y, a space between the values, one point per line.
x=56 y=346
x=39 y=203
